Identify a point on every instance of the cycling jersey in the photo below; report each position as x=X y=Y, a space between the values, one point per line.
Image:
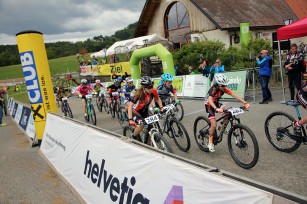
x=217 y=93
x=141 y=106
x=164 y=91
x=127 y=91
x=97 y=87
x=112 y=88
x=84 y=89
x=60 y=94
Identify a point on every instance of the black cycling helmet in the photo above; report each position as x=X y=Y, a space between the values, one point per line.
x=83 y=81
x=147 y=82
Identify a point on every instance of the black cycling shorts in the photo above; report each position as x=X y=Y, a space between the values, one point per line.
x=302 y=97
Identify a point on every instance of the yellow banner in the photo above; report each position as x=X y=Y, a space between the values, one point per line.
x=105 y=69
x=37 y=76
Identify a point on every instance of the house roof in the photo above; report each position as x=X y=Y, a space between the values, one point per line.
x=299 y=7
x=260 y=13
x=227 y=14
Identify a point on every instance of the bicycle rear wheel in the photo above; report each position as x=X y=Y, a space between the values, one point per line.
x=178 y=111
x=69 y=111
x=159 y=142
x=99 y=105
x=278 y=129
x=180 y=135
x=93 y=115
x=201 y=132
x=112 y=110
x=243 y=146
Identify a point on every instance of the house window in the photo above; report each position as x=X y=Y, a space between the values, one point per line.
x=177 y=23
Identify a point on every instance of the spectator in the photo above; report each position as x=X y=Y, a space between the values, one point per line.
x=2 y=92
x=204 y=67
x=93 y=79
x=178 y=72
x=217 y=67
x=191 y=72
x=265 y=71
x=294 y=66
x=94 y=62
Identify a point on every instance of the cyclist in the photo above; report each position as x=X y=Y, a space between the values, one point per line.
x=126 y=92
x=83 y=90
x=213 y=103
x=97 y=89
x=138 y=107
x=302 y=99
x=112 y=89
x=166 y=88
x=59 y=95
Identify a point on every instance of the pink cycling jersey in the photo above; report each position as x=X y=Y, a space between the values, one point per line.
x=84 y=89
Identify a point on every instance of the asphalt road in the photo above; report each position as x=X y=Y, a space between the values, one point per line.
x=26 y=178
x=283 y=170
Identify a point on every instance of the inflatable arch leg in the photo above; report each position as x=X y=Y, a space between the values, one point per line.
x=155 y=50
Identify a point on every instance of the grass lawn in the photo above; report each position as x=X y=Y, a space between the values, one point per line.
x=21 y=95
x=57 y=66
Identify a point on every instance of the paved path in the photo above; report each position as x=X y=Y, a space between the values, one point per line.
x=24 y=176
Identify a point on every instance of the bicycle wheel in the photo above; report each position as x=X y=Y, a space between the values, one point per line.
x=178 y=111
x=65 y=110
x=117 y=111
x=99 y=104
x=159 y=142
x=243 y=146
x=93 y=115
x=128 y=130
x=69 y=112
x=112 y=110
x=105 y=104
x=122 y=115
x=180 y=135
x=278 y=129
x=201 y=132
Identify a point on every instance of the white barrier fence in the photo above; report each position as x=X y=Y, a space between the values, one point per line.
x=103 y=168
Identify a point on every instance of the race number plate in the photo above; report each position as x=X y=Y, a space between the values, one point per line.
x=168 y=107
x=64 y=98
x=235 y=111
x=152 y=119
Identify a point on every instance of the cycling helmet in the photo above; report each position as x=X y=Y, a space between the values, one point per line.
x=116 y=81
x=167 y=77
x=221 y=79
x=129 y=79
x=120 y=78
x=61 y=87
x=83 y=81
x=147 y=82
x=97 y=81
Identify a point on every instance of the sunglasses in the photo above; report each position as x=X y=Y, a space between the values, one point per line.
x=222 y=85
x=130 y=82
x=217 y=62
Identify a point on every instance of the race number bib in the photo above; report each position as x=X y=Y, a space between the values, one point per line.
x=235 y=111
x=152 y=119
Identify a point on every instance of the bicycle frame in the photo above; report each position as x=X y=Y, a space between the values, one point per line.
x=88 y=106
x=296 y=137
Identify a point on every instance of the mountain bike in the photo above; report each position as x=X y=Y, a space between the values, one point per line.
x=281 y=133
x=114 y=104
x=242 y=143
x=122 y=115
x=174 y=128
x=66 y=108
x=178 y=111
x=102 y=102
x=91 y=115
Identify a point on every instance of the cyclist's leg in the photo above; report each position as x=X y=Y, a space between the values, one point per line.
x=83 y=100
x=302 y=99
x=61 y=104
x=211 y=117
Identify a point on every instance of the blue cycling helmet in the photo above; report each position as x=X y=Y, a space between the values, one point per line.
x=120 y=78
x=167 y=77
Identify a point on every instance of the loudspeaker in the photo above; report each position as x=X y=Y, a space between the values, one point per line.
x=284 y=45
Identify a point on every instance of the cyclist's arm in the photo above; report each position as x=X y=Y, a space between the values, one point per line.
x=238 y=98
x=130 y=105
x=212 y=104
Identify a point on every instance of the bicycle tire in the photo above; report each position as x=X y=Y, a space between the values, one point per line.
x=178 y=111
x=64 y=110
x=239 y=146
x=127 y=131
x=159 y=142
x=105 y=104
x=181 y=138
x=121 y=119
x=112 y=110
x=93 y=115
x=277 y=135
x=69 y=111
x=99 y=105
x=201 y=132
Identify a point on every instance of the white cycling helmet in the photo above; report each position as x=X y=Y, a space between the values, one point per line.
x=97 y=81
x=129 y=79
x=221 y=79
x=83 y=81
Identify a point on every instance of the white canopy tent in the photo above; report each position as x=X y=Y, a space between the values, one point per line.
x=127 y=45
x=100 y=53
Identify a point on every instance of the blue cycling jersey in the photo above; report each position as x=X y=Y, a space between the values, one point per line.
x=127 y=90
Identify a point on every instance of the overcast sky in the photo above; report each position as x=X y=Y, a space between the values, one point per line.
x=66 y=20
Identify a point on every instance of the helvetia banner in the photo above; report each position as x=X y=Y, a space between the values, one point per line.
x=244 y=33
x=37 y=76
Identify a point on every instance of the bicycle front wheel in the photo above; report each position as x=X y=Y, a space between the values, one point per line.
x=180 y=135
x=69 y=111
x=243 y=146
x=128 y=130
x=201 y=132
x=122 y=115
x=93 y=115
x=105 y=104
x=178 y=111
x=278 y=129
x=159 y=142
